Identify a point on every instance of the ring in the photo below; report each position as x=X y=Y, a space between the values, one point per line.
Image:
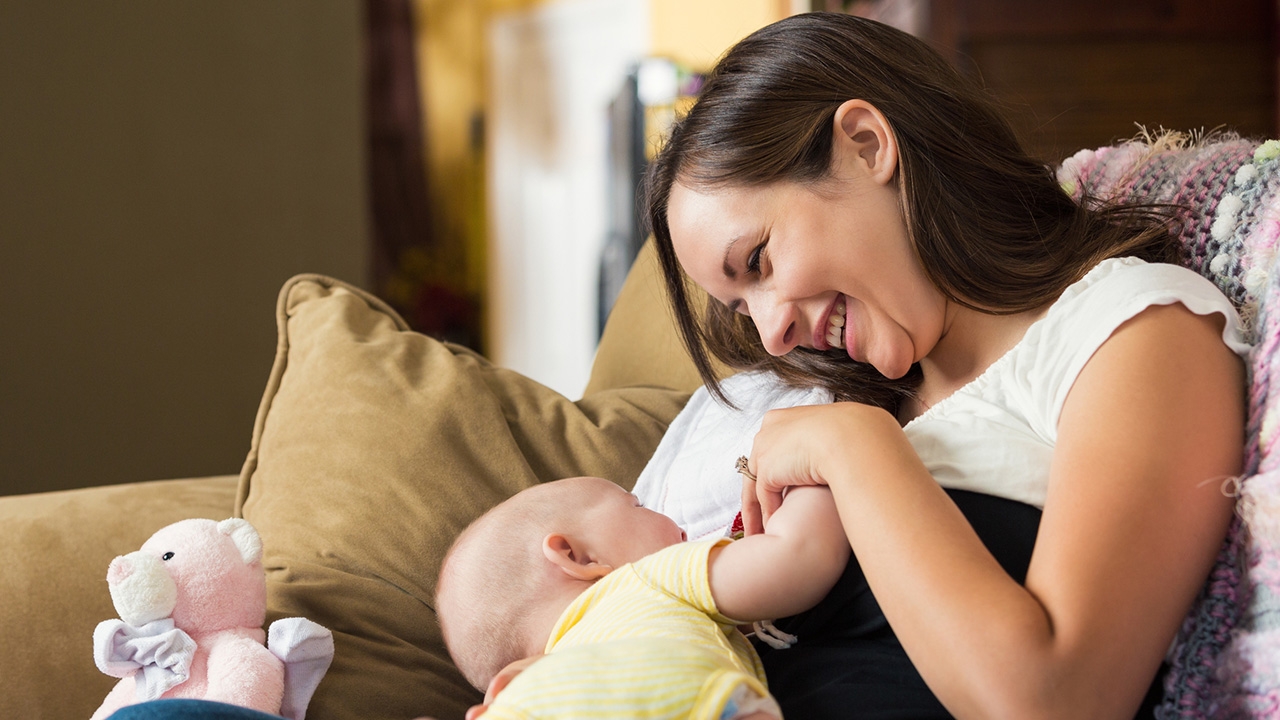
x=741 y=467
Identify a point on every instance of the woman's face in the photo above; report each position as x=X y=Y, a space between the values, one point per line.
x=819 y=268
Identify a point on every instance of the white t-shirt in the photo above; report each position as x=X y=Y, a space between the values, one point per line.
x=691 y=477
x=996 y=435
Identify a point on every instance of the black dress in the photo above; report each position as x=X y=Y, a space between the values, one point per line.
x=848 y=662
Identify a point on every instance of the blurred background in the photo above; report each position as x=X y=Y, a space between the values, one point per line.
x=166 y=167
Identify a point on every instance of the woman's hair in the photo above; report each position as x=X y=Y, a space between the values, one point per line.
x=991 y=226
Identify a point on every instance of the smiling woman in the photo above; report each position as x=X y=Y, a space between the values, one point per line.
x=794 y=253
x=863 y=219
x=990 y=225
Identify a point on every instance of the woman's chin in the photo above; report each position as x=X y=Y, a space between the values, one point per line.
x=891 y=370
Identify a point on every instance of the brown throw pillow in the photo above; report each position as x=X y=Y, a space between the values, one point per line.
x=373 y=448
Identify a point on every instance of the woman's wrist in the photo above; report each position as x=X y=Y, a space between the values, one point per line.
x=858 y=436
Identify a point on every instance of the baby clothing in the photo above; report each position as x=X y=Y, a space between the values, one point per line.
x=645 y=641
x=996 y=434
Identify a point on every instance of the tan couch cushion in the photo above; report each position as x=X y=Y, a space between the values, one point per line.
x=374 y=447
x=640 y=344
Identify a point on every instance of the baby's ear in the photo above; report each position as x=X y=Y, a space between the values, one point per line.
x=572 y=559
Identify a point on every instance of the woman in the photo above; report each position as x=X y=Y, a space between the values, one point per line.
x=862 y=218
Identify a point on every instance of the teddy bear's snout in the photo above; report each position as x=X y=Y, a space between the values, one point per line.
x=141 y=588
x=118 y=570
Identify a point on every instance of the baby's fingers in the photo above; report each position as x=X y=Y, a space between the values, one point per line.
x=504 y=678
x=752 y=523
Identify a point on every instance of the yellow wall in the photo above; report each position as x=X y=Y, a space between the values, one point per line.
x=697 y=32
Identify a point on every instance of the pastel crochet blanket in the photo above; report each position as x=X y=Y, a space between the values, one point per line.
x=1226 y=659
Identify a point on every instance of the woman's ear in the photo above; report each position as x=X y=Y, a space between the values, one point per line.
x=863 y=136
x=571 y=557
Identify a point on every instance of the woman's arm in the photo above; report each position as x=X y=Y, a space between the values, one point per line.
x=1133 y=520
x=789 y=568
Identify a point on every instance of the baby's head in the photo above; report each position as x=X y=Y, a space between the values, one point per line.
x=541 y=546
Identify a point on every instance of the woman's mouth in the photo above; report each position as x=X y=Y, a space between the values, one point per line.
x=835 y=325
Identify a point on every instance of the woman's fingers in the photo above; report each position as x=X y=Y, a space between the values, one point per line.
x=807 y=444
x=752 y=522
x=782 y=456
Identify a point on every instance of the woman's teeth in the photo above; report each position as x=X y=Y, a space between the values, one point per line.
x=835 y=326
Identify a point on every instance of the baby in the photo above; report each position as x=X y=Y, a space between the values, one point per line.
x=634 y=621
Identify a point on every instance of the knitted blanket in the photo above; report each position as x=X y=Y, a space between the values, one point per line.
x=1226 y=659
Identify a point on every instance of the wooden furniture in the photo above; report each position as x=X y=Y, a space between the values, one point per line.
x=1085 y=73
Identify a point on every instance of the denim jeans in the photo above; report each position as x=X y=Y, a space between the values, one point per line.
x=188 y=710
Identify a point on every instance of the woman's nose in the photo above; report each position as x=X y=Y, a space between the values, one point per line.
x=776 y=323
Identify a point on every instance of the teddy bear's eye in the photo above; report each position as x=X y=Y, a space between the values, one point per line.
x=167 y=556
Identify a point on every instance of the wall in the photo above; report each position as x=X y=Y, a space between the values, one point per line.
x=164 y=168
x=698 y=32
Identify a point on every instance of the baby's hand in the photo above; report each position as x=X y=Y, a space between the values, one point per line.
x=500 y=681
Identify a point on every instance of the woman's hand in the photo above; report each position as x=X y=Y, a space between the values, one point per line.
x=803 y=446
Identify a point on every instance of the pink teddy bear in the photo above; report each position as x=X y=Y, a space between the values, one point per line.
x=192 y=603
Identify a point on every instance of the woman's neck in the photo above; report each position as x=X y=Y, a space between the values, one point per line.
x=972 y=342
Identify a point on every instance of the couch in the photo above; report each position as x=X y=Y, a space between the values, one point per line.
x=374 y=446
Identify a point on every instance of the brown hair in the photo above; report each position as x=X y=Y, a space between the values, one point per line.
x=991 y=226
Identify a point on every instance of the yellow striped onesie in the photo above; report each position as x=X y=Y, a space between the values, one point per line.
x=645 y=641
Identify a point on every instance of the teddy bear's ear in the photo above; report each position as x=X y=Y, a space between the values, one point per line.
x=245 y=538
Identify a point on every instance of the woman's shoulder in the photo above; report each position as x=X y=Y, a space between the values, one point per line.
x=1129 y=273
x=1090 y=312
x=1118 y=289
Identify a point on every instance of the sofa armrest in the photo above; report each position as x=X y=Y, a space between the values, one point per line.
x=55 y=548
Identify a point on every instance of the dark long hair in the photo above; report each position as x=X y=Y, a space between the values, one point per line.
x=990 y=225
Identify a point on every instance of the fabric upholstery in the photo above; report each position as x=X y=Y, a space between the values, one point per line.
x=640 y=345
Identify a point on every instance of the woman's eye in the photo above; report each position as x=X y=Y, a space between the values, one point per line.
x=753 y=260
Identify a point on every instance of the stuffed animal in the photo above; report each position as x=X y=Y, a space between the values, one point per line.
x=192 y=603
